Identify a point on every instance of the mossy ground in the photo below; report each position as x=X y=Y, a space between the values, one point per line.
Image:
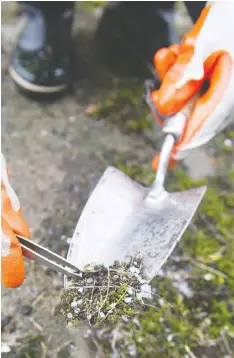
x=201 y=322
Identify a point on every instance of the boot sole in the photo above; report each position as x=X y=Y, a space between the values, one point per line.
x=32 y=87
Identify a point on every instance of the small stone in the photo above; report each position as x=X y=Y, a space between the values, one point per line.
x=5 y=348
x=208 y=276
x=125 y=319
x=91 y=109
x=134 y=269
x=201 y=315
x=185 y=289
x=74 y=304
x=88 y=333
x=146 y=291
x=170 y=337
x=132 y=350
x=228 y=142
x=128 y=299
x=69 y=315
x=161 y=301
x=160 y=272
x=72 y=119
x=139 y=295
x=130 y=291
x=44 y=133
x=15 y=134
x=139 y=278
x=98 y=12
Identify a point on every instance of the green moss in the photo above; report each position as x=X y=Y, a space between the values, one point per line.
x=121 y=106
x=90 y=5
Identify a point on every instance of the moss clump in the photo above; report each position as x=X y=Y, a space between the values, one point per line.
x=104 y=295
x=121 y=107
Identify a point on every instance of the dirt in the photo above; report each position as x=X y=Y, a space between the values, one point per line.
x=55 y=154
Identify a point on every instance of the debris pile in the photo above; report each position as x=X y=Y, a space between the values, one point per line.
x=104 y=295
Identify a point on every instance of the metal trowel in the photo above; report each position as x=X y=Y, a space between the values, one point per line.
x=124 y=219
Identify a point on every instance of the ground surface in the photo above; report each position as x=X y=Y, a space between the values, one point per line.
x=55 y=154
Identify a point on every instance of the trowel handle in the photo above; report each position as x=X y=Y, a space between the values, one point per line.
x=175 y=124
x=174 y=128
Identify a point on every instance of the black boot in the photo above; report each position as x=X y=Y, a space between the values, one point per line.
x=41 y=61
x=130 y=32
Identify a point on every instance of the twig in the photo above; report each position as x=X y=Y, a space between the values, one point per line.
x=210 y=227
x=203 y=266
x=105 y=299
x=75 y=287
x=36 y=325
x=38 y=299
x=154 y=294
x=190 y=353
x=64 y=344
x=226 y=344
x=208 y=268
x=44 y=350
x=147 y=304
x=109 y=312
x=108 y=288
x=91 y=302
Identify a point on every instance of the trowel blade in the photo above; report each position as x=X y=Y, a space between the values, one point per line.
x=118 y=222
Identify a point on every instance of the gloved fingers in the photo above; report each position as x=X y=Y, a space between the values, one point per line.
x=203 y=123
x=11 y=210
x=170 y=99
x=173 y=95
x=165 y=58
x=219 y=67
x=12 y=263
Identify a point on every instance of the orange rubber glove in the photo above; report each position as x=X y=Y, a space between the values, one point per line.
x=205 y=53
x=12 y=222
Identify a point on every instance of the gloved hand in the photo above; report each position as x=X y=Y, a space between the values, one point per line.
x=12 y=222
x=205 y=53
